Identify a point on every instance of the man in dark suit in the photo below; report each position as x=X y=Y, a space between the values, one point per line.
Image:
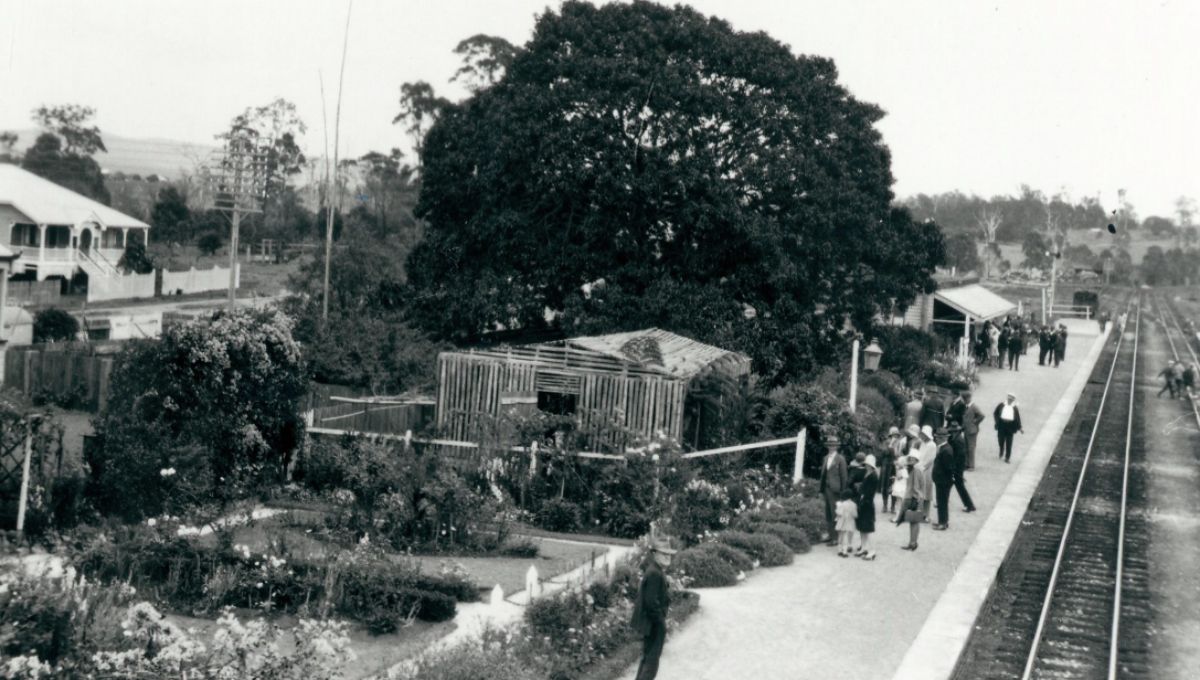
x=943 y=478
x=1060 y=345
x=1008 y=422
x=958 y=442
x=1045 y=343
x=933 y=411
x=650 y=610
x=834 y=478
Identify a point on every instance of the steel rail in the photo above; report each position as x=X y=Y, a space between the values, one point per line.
x=1031 y=659
x=1167 y=312
x=1113 y=648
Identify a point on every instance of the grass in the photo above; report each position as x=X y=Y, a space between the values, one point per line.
x=375 y=653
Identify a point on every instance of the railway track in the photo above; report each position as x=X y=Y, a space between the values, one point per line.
x=1070 y=600
x=1171 y=325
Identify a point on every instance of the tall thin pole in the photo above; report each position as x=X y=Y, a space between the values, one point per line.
x=854 y=375
x=337 y=124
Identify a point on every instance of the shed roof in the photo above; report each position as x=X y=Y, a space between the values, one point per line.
x=975 y=300
x=650 y=351
x=45 y=202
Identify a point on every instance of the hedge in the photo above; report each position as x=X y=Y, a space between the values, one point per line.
x=767 y=549
x=704 y=568
x=794 y=538
x=736 y=558
x=456 y=587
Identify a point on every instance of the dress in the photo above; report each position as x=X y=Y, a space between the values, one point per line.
x=865 y=522
x=846 y=515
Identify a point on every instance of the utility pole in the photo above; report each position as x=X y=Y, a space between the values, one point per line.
x=337 y=126
x=240 y=187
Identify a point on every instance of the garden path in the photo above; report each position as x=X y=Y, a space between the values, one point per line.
x=827 y=617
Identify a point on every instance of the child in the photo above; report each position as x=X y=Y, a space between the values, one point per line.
x=847 y=512
x=899 y=483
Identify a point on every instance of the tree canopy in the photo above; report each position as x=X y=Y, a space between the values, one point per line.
x=675 y=160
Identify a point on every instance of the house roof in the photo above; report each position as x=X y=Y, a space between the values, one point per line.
x=651 y=352
x=45 y=202
x=975 y=300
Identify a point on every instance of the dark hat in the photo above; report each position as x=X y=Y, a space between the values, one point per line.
x=832 y=441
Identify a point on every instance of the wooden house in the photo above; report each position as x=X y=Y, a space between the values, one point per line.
x=645 y=381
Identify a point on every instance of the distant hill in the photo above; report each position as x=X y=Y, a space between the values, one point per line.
x=164 y=157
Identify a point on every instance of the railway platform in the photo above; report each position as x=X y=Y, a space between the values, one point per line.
x=906 y=614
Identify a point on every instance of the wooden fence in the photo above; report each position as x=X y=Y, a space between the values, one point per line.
x=35 y=293
x=374 y=418
x=69 y=373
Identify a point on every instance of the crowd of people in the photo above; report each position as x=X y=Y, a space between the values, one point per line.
x=1178 y=378
x=1005 y=343
x=920 y=467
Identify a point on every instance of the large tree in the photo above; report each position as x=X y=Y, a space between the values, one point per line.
x=659 y=150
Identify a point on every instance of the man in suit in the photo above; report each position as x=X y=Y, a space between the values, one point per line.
x=942 y=475
x=958 y=442
x=970 y=421
x=650 y=610
x=933 y=411
x=1008 y=422
x=1045 y=343
x=1060 y=345
x=834 y=478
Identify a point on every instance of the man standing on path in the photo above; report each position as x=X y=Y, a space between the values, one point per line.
x=971 y=418
x=1016 y=347
x=650 y=610
x=958 y=442
x=1008 y=422
x=933 y=411
x=834 y=478
x=943 y=478
x=1045 y=344
x=1060 y=345
x=927 y=454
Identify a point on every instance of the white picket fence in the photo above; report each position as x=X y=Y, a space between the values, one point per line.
x=197 y=280
x=120 y=287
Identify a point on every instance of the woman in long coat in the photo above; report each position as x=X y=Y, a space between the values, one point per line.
x=865 y=522
x=915 y=494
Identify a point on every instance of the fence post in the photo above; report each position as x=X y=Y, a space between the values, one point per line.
x=801 y=442
x=24 y=498
x=533 y=450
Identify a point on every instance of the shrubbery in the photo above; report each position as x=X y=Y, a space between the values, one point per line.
x=701 y=567
x=558 y=514
x=54 y=325
x=767 y=549
x=794 y=538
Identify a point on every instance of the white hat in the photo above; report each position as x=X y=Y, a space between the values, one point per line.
x=870 y=460
x=927 y=431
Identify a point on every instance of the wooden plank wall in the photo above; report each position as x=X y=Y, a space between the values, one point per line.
x=58 y=372
x=374 y=418
x=470 y=386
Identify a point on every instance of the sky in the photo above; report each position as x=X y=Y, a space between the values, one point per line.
x=1082 y=96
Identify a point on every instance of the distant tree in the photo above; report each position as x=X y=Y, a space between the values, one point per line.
x=420 y=108
x=1154 y=269
x=1037 y=251
x=54 y=325
x=989 y=221
x=693 y=160
x=69 y=123
x=1121 y=269
x=281 y=127
x=210 y=243
x=389 y=193
x=962 y=251
x=1190 y=236
x=1079 y=254
x=81 y=174
x=170 y=216
x=8 y=147
x=486 y=58
x=135 y=259
x=1158 y=226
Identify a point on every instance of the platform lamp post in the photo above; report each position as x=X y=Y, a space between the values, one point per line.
x=871 y=355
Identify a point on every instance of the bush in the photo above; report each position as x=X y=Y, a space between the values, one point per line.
x=767 y=549
x=701 y=506
x=495 y=655
x=519 y=547
x=453 y=585
x=794 y=407
x=907 y=351
x=209 y=244
x=890 y=386
x=54 y=325
x=326 y=465
x=807 y=514
x=795 y=538
x=558 y=514
x=736 y=558
x=428 y=605
x=702 y=567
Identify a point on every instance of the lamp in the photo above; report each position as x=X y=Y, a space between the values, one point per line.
x=871 y=356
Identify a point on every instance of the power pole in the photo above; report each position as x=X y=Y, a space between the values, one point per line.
x=240 y=187
x=337 y=126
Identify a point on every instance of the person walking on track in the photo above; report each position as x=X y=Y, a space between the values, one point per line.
x=1008 y=423
x=1168 y=376
x=958 y=442
x=915 y=493
x=834 y=478
x=650 y=610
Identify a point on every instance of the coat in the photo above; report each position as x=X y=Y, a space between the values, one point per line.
x=956 y=411
x=943 y=465
x=653 y=600
x=917 y=487
x=835 y=478
x=933 y=412
x=1006 y=426
x=958 y=443
x=971 y=419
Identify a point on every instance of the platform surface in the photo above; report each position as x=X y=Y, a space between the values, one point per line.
x=831 y=617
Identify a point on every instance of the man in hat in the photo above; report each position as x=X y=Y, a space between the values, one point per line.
x=1008 y=422
x=650 y=610
x=834 y=478
x=942 y=475
x=959 y=444
x=1045 y=344
x=968 y=416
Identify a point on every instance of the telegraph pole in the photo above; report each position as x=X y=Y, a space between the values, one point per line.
x=240 y=187
x=337 y=126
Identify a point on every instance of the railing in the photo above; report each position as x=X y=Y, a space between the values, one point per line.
x=1080 y=311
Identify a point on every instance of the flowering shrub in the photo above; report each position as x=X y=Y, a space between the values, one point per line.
x=558 y=514
x=701 y=506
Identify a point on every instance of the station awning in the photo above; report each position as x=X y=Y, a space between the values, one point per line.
x=975 y=301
